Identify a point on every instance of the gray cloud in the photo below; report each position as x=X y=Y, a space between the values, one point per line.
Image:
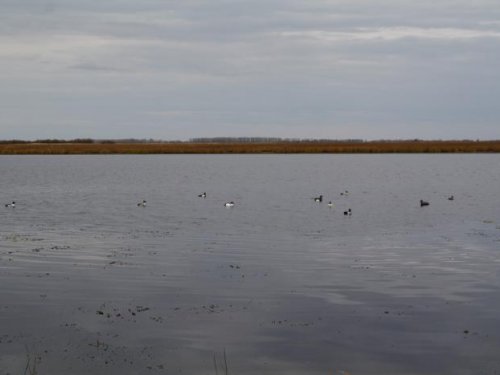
x=168 y=69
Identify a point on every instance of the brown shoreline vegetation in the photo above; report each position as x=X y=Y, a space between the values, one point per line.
x=274 y=147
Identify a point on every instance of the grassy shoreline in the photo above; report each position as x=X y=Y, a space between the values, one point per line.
x=252 y=148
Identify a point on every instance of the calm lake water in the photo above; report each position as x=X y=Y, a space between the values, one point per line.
x=93 y=284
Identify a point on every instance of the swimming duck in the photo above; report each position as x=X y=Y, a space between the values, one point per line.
x=141 y=204
x=11 y=205
x=318 y=199
x=348 y=212
x=423 y=203
x=202 y=195
x=330 y=204
x=229 y=204
x=450 y=198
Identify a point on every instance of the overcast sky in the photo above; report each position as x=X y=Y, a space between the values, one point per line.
x=164 y=69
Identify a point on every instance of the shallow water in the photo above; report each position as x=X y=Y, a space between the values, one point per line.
x=93 y=284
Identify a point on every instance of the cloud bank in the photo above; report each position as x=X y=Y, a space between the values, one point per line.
x=295 y=68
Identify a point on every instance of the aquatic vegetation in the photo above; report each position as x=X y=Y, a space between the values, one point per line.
x=224 y=367
x=280 y=147
x=31 y=362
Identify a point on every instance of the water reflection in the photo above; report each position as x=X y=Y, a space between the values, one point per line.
x=91 y=283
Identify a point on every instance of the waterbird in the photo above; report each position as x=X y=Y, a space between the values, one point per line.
x=229 y=204
x=141 y=204
x=318 y=199
x=423 y=203
x=330 y=204
x=202 y=195
x=11 y=205
x=346 y=192
x=451 y=197
x=348 y=212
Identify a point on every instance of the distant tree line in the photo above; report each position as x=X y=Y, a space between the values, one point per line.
x=77 y=140
x=219 y=140
x=84 y=141
x=225 y=140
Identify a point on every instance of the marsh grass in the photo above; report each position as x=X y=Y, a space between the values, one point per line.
x=252 y=148
x=32 y=360
x=224 y=368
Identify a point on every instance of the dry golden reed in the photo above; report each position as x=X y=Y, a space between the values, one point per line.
x=251 y=148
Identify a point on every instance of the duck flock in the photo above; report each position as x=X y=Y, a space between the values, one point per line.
x=230 y=204
x=11 y=205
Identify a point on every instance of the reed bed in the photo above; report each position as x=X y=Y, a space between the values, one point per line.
x=252 y=148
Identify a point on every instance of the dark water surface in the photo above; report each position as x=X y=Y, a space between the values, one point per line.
x=93 y=284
